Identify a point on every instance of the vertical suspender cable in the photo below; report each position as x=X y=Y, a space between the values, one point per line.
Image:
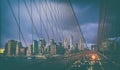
x=19 y=17
x=30 y=15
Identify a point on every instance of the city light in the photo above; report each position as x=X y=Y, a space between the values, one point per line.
x=93 y=57
x=1 y=50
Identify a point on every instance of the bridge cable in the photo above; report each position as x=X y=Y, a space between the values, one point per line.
x=16 y=21
x=30 y=15
x=53 y=17
x=77 y=22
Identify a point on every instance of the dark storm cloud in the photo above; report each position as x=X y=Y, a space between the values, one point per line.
x=86 y=10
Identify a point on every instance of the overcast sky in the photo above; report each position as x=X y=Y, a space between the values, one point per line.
x=45 y=15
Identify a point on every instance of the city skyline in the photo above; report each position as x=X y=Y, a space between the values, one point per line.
x=59 y=34
x=88 y=24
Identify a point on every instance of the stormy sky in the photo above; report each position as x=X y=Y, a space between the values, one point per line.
x=51 y=19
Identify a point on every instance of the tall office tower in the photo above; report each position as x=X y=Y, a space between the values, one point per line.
x=11 y=48
x=52 y=47
x=17 y=49
x=35 y=47
x=28 y=51
x=65 y=43
x=60 y=49
x=76 y=48
x=42 y=44
x=71 y=43
x=41 y=47
x=21 y=49
x=81 y=46
x=109 y=22
x=6 y=49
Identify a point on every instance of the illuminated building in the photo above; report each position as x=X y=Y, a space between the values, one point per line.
x=20 y=47
x=65 y=43
x=22 y=51
x=28 y=51
x=109 y=22
x=32 y=49
x=17 y=49
x=11 y=48
x=52 y=47
x=71 y=43
x=81 y=46
x=1 y=50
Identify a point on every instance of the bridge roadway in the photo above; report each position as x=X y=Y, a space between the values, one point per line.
x=78 y=61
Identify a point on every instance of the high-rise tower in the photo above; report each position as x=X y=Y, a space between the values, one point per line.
x=71 y=43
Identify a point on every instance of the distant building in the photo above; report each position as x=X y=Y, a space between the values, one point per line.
x=41 y=46
x=47 y=49
x=60 y=49
x=76 y=48
x=22 y=51
x=52 y=47
x=20 y=47
x=93 y=47
x=17 y=49
x=71 y=43
x=11 y=48
x=65 y=43
x=28 y=51
x=35 y=47
x=81 y=45
x=2 y=50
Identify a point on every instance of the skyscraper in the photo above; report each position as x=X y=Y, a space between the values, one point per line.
x=81 y=46
x=109 y=22
x=60 y=49
x=28 y=52
x=11 y=48
x=35 y=47
x=17 y=49
x=42 y=44
x=71 y=43
x=65 y=43
x=52 y=47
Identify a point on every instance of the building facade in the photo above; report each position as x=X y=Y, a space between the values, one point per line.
x=35 y=47
x=11 y=48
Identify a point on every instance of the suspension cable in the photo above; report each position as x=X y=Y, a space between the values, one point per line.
x=16 y=21
x=31 y=19
x=41 y=19
x=75 y=17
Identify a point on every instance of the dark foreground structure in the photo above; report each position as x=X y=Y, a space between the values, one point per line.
x=109 y=30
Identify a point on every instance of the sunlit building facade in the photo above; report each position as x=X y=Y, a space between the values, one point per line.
x=52 y=47
x=11 y=48
x=65 y=43
x=71 y=43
